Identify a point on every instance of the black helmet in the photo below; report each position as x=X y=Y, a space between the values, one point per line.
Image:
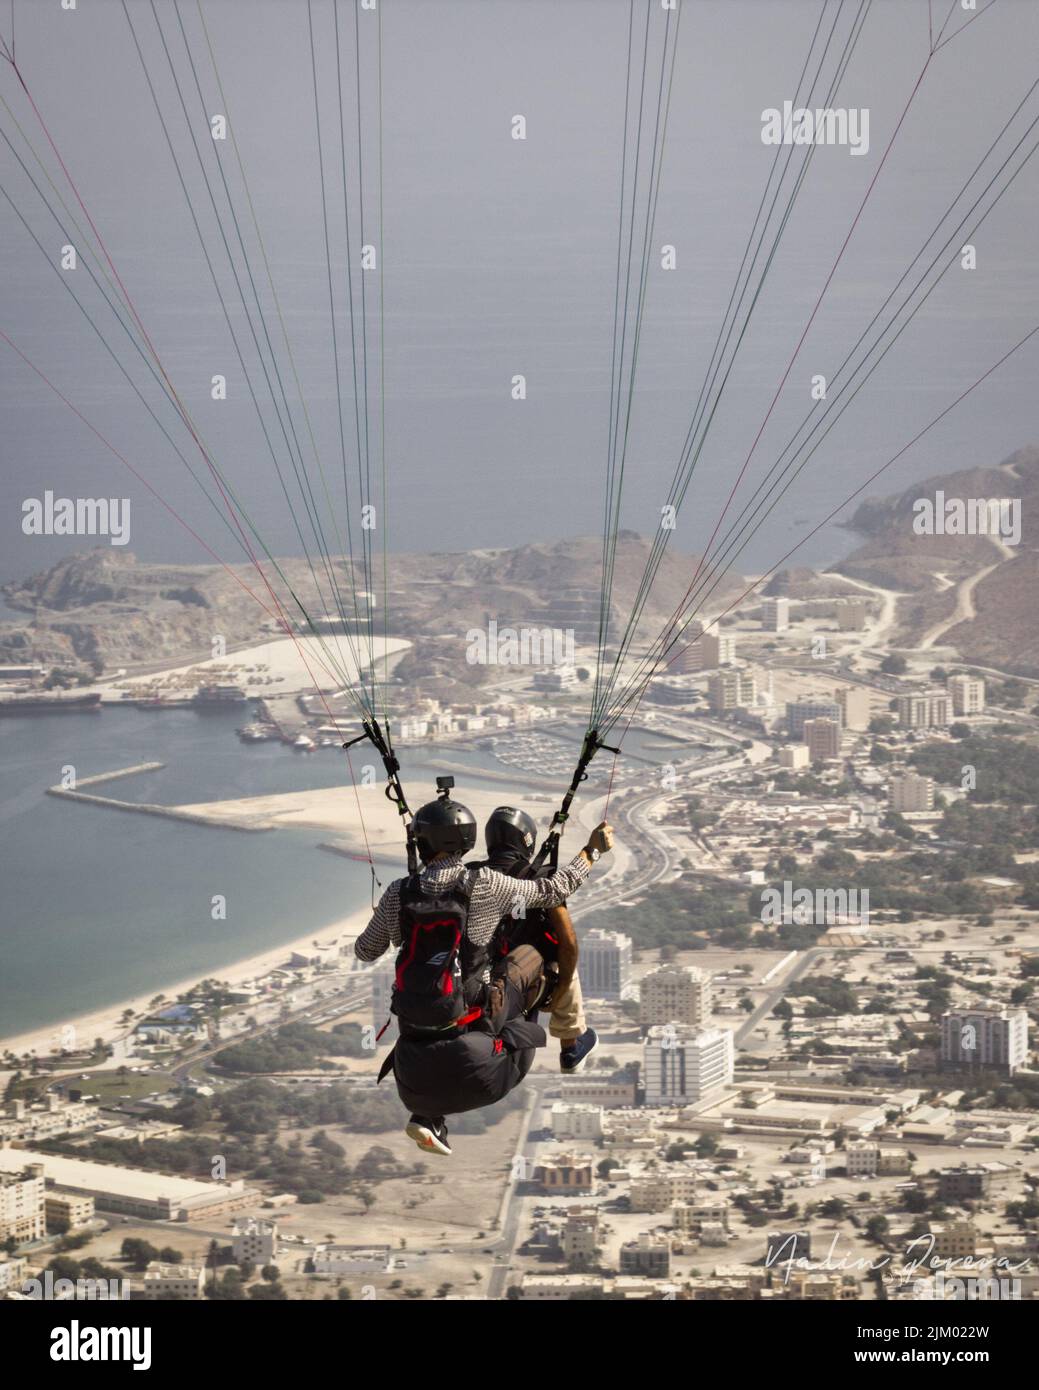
x=444 y=826
x=510 y=828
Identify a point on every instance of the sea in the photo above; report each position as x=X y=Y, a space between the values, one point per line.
x=99 y=905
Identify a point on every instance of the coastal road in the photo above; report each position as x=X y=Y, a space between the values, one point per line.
x=656 y=861
x=320 y=1011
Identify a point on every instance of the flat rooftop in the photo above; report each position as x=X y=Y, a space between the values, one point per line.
x=135 y=1183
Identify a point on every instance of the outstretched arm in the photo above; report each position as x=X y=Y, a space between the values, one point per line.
x=508 y=893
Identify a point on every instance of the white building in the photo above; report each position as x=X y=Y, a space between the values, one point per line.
x=649 y=1255
x=555 y=680
x=864 y=1158
x=968 y=694
x=775 y=614
x=605 y=964
x=67 y=1209
x=254 y=1240
x=559 y=1288
x=134 y=1191
x=22 y=1211
x=707 y=652
x=986 y=1038
x=571 y=1121
x=924 y=709
x=675 y=993
x=691 y=1217
x=684 y=1065
x=580 y=1237
x=12 y=1272
x=174 y=1281
x=382 y=975
x=854 y=705
x=659 y=1189
x=351 y=1259
x=732 y=688
x=45 y=1119
x=794 y=755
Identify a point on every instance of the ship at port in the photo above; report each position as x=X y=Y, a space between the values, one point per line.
x=58 y=703
x=217 y=697
x=257 y=733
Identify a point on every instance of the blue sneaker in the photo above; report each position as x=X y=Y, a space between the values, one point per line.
x=573 y=1057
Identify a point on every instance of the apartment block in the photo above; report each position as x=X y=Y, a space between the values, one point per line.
x=675 y=993
x=605 y=964
x=684 y=1065
x=968 y=694
x=911 y=793
x=731 y=689
x=22 y=1209
x=775 y=614
x=822 y=738
x=995 y=1038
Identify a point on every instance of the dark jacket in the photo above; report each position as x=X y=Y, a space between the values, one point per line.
x=453 y=1074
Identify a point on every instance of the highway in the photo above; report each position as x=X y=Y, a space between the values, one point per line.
x=512 y=1210
x=800 y=967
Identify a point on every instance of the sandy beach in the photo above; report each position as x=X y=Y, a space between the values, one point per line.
x=334 y=810
x=106 y=1022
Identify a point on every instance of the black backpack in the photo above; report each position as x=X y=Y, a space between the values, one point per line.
x=435 y=959
x=529 y=930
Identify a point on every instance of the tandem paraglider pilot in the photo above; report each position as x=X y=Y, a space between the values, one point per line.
x=467 y=1022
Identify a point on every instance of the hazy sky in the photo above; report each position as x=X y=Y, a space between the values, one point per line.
x=500 y=258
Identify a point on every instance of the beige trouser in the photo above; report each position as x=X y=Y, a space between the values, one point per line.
x=567 y=1018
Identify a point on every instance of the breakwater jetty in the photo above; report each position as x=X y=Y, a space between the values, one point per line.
x=251 y=824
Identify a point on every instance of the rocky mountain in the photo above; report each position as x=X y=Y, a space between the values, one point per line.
x=107 y=606
x=965 y=587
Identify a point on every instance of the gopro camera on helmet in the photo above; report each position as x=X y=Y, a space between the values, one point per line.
x=444 y=826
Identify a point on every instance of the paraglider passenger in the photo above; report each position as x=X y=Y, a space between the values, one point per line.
x=465 y=1036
